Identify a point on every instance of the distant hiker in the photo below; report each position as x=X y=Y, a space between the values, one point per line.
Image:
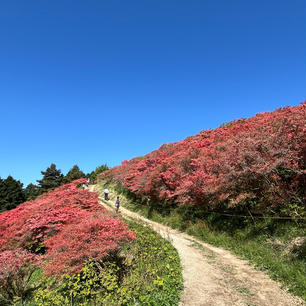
x=117 y=204
x=83 y=186
x=106 y=192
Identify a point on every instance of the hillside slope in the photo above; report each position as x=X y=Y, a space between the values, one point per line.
x=255 y=164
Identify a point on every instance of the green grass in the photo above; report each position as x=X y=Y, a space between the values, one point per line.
x=157 y=273
x=290 y=271
x=260 y=241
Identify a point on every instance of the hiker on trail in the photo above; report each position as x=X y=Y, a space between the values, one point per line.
x=117 y=204
x=106 y=192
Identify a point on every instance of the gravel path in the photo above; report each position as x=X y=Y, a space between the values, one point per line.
x=213 y=276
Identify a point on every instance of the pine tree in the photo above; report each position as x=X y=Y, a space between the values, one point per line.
x=52 y=178
x=74 y=174
x=11 y=193
x=31 y=192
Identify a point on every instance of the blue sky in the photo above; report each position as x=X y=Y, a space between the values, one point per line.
x=93 y=82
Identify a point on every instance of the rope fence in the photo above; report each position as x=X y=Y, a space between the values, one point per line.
x=258 y=217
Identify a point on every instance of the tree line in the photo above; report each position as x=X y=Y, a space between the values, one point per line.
x=12 y=192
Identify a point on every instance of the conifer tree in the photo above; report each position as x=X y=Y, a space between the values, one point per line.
x=31 y=192
x=11 y=193
x=52 y=178
x=74 y=174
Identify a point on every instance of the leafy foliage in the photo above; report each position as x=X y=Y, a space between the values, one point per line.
x=16 y=268
x=11 y=193
x=52 y=178
x=60 y=231
x=31 y=192
x=73 y=174
x=94 y=174
x=145 y=272
x=94 y=237
x=255 y=164
x=83 y=252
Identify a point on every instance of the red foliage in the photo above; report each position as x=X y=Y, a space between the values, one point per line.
x=11 y=262
x=16 y=268
x=66 y=226
x=93 y=237
x=261 y=159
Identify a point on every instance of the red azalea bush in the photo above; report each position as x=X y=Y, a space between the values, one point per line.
x=12 y=262
x=16 y=268
x=61 y=230
x=93 y=237
x=257 y=160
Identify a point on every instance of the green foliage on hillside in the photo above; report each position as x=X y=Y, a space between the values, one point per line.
x=11 y=193
x=73 y=174
x=94 y=174
x=52 y=178
x=31 y=192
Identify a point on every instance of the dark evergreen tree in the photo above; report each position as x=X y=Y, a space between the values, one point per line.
x=31 y=192
x=52 y=178
x=74 y=174
x=11 y=193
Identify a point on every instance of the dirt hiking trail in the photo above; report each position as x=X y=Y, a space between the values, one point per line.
x=213 y=276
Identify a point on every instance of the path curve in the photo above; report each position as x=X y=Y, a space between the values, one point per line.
x=213 y=276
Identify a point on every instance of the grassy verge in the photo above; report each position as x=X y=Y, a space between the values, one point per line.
x=263 y=242
x=157 y=276
x=147 y=271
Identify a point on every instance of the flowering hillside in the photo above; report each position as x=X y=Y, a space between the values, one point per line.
x=256 y=163
x=58 y=231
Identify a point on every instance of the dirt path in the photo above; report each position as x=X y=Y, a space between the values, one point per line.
x=213 y=276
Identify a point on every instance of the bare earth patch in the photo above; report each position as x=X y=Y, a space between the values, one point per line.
x=215 y=277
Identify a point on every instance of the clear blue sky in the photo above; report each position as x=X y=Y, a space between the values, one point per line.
x=93 y=82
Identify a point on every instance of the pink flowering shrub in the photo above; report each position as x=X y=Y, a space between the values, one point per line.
x=59 y=231
x=16 y=268
x=94 y=237
x=257 y=160
x=12 y=262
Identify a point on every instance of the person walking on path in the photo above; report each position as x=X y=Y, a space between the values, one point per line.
x=106 y=192
x=117 y=204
